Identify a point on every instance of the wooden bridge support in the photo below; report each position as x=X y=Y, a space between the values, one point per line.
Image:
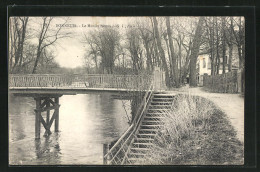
x=46 y=104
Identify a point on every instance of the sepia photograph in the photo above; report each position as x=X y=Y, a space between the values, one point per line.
x=140 y=90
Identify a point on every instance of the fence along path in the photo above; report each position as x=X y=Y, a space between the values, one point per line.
x=223 y=83
x=80 y=81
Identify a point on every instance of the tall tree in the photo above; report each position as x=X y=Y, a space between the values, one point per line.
x=47 y=37
x=223 y=30
x=173 y=57
x=146 y=36
x=134 y=47
x=161 y=51
x=211 y=42
x=229 y=40
x=195 y=51
x=18 y=28
x=105 y=42
x=239 y=35
x=215 y=19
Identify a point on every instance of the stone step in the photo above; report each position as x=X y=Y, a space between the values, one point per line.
x=146 y=139
x=146 y=131
x=154 y=118
x=161 y=103
x=132 y=154
x=143 y=140
x=163 y=110
x=163 y=98
x=152 y=122
x=145 y=135
x=141 y=145
x=159 y=107
x=152 y=126
x=155 y=115
x=139 y=149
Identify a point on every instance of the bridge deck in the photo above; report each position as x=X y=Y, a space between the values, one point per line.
x=67 y=91
x=77 y=84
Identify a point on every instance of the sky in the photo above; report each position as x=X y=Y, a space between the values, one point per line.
x=70 y=51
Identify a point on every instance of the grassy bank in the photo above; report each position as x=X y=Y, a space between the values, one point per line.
x=195 y=133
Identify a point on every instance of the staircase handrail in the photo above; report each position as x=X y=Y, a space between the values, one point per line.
x=140 y=117
x=135 y=124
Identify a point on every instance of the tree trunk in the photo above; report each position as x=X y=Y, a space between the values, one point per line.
x=148 y=56
x=213 y=67
x=218 y=64
x=174 y=64
x=169 y=55
x=239 y=56
x=217 y=46
x=161 y=51
x=195 y=51
x=37 y=59
x=230 y=49
x=180 y=62
x=11 y=47
x=223 y=44
x=24 y=25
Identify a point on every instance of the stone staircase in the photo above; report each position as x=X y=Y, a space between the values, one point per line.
x=150 y=124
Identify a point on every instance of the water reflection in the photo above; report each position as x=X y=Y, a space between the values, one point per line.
x=86 y=122
x=48 y=150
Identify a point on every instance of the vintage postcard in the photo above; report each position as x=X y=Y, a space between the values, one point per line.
x=157 y=90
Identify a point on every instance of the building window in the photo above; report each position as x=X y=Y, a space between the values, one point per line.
x=209 y=63
x=204 y=63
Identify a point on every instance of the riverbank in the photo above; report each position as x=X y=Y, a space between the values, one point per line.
x=196 y=132
x=231 y=104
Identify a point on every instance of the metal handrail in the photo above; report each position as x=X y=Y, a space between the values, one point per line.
x=134 y=75
x=119 y=140
x=77 y=80
x=134 y=126
x=138 y=122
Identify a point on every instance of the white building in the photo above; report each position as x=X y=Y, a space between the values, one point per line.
x=204 y=65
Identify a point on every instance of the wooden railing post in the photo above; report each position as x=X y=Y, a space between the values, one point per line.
x=239 y=81
x=159 y=79
x=105 y=151
x=156 y=78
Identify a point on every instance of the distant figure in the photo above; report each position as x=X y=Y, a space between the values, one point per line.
x=86 y=84
x=187 y=79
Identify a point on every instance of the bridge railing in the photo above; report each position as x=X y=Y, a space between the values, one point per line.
x=80 y=81
x=118 y=153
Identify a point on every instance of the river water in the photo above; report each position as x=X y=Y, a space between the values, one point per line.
x=87 y=121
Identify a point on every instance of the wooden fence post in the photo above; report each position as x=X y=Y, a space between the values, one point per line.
x=239 y=89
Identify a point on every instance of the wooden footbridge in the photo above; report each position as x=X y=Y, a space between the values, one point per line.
x=132 y=145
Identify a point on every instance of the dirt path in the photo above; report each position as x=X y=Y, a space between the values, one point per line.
x=231 y=104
